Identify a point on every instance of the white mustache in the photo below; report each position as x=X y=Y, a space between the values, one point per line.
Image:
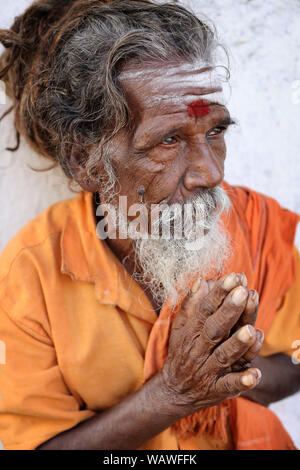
x=203 y=210
x=162 y=263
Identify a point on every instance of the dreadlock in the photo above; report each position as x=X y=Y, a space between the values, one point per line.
x=62 y=59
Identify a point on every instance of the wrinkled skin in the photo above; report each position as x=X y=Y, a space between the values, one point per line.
x=203 y=373
x=175 y=155
x=200 y=376
x=172 y=154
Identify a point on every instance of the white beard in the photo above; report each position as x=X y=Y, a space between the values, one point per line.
x=161 y=264
x=167 y=262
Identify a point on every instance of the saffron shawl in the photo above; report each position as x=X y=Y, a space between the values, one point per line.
x=262 y=235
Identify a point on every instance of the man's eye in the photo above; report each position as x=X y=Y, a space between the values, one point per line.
x=169 y=140
x=216 y=131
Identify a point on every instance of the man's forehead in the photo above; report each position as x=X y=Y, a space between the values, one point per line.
x=168 y=69
x=173 y=84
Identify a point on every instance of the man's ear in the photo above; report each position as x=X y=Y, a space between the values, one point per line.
x=78 y=156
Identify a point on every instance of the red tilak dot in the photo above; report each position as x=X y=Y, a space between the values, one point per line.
x=198 y=108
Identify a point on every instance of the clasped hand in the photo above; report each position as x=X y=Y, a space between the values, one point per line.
x=212 y=343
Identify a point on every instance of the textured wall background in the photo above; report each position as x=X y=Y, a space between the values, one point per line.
x=263 y=151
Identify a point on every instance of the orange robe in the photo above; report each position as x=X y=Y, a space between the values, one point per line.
x=77 y=332
x=264 y=236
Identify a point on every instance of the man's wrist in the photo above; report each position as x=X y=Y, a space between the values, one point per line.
x=166 y=399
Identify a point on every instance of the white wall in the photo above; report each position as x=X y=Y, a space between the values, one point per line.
x=263 y=152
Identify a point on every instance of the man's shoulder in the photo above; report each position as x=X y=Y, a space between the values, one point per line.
x=250 y=204
x=31 y=266
x=43 y=233
x=243 y=195
x=262 y=221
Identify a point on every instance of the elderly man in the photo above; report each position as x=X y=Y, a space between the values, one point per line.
x=115 y=338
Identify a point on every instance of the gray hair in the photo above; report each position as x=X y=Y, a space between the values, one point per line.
x=71 y=94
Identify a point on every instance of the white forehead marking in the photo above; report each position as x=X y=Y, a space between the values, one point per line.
x=184 y=75
x=180 y=76
x=169 y=70
x=216 y=97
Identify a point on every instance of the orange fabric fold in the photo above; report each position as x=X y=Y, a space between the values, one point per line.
x=255 y=427
x=262 y=238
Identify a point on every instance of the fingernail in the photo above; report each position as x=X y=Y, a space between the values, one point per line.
x=243 y=279
x=196 y=285
x=258 y=372
x=230 y=281
x=254 y=296
x=239 y=295
x=260 y=335
x=248 y=380
x=245 y=334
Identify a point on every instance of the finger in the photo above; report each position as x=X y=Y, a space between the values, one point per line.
x=240 y=366
x=233 y=349
x=255 y=348
x=212 y=301
x=206 y=298
x=234 y=383
x=217 y=327
x=191 y=301
x=211 y=284
x=249 y=315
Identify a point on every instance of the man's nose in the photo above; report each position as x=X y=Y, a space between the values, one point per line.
x=204 y=168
